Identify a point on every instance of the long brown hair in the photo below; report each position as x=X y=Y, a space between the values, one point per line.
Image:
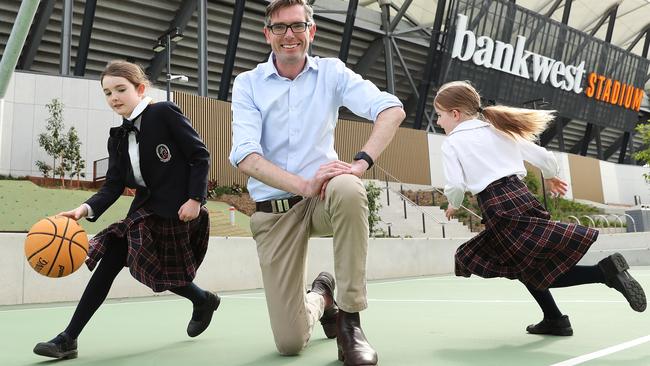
x=128 y=70
x=514 y=122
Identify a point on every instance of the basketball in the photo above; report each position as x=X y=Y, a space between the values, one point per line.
x=56 y=246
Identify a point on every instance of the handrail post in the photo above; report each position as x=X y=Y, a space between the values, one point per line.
x=424 y=228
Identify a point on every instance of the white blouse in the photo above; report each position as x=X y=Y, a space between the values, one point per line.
x=476 y=154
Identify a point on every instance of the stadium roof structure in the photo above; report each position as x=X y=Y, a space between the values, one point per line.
x=232 y=42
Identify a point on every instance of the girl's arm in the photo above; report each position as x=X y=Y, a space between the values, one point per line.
x=539 y=157
x=455 y=187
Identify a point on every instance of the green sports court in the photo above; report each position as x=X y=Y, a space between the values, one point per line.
x=440 y=320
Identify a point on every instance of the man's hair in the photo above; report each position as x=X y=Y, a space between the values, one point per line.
x=276 y=5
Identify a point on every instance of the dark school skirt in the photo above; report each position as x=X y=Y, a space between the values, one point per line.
x=520 y=241
x=163 y=253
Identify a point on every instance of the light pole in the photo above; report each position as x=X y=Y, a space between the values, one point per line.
x=164 y=43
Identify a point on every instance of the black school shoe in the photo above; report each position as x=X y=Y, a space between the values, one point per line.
x=615 y=269
x=61 y=347
x=559 y=327
x=196 y=327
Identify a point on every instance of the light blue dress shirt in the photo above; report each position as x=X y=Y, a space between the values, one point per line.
x=291 y=122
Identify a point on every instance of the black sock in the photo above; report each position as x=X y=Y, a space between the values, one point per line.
x=97 y=288
x=580 y=275
x=191 y=292
x=546 y=302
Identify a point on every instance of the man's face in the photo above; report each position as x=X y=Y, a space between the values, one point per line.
x=290 y=48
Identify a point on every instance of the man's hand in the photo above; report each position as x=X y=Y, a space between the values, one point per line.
x=359 y=167
x=189 y=211
x=76 y=214
x=556 y=186
x=450 y=212
x=316 y=186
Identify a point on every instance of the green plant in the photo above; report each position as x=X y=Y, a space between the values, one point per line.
x=643 y=131
x=72 y=160
x=215 y=190
x=532 y=181
x=373 y=192
x=52 y=141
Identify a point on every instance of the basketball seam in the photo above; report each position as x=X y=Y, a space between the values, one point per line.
x=77 y=244
x=48 y=244
x=57 y=236
x=60 y=245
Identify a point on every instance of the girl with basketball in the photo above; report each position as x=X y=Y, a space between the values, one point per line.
x=484 y=153
x=164 y=237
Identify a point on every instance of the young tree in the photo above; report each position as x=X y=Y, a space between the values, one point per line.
x=73 y=162
x=643 y=131
x=52 y=141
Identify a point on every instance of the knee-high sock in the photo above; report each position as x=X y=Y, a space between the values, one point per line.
x=580 y=275
x=546 y=302
x=97 y=289
x=191 y=292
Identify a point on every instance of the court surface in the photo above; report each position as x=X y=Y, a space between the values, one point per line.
x=441 y=320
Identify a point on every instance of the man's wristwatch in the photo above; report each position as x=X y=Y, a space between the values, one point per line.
x=361 y=155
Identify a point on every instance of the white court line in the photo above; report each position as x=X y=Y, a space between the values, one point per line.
x=256 y=297
x=603 y=352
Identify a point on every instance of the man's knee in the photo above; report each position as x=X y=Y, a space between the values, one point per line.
x=290 y=346
x=347 y=187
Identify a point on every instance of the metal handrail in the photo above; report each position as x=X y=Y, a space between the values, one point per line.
x=436 y=189
x=575 y=218
x=590 y=219
x=633 y=222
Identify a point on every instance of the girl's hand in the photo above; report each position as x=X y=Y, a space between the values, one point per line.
x=556 y=186
x=450 y=212
x=76 y=214
x=189 y=211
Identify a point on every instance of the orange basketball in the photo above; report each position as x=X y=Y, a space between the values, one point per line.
x=56 y=246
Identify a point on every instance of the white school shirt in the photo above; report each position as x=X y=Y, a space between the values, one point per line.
x=134 y=151
x=476 y=154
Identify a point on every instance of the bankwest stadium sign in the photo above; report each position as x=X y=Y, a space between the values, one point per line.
x=516 y=60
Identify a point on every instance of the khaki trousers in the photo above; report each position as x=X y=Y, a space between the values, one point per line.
x=282 y=250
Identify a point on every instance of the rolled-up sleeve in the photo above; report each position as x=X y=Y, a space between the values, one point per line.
x=361 y=96
x=246 y=122
x=455 y=187
x=539 y=157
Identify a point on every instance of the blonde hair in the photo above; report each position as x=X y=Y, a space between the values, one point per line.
x=128 y=70
x=276 y=5
x=514 y=122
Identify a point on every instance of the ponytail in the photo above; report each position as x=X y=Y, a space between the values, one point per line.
x=518 y=122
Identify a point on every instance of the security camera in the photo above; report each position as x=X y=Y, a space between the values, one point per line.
x=181 y=78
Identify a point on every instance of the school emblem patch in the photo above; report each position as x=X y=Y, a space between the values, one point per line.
x=163 y=153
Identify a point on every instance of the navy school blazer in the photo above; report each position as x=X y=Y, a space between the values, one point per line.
x=174 y=163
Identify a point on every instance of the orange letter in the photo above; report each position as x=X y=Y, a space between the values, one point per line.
x=601 y=78
x=590 y=84
x=638 y=95
x=616 y=89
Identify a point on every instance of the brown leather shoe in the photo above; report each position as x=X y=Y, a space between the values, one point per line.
x=354 y=349
x=324 y=285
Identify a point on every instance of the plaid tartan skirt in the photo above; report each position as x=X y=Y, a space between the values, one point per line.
x=520 y=241
x=163 y=253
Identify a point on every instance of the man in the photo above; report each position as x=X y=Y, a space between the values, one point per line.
x=284 y=115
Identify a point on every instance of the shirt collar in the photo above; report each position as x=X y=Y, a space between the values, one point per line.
x=140 y=108
x=270 y=69
x=469 y=125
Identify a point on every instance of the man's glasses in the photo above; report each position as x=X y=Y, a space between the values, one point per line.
x=280 y=29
